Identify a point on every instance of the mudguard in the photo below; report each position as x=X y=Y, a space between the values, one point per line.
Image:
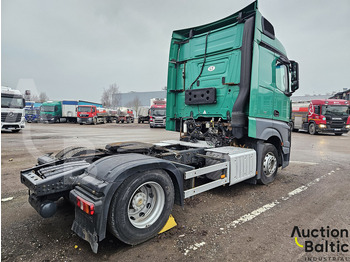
x=101 y=180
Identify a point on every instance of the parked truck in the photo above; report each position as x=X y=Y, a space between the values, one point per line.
x=65 y=110
x=12 y=110
x=228 y=96
x=51 y=112
x=322 y=116
x=143 y=114
x=91 y=114
x=32 y=111
x=112 y=115
x=157 y=115
x=125 y=115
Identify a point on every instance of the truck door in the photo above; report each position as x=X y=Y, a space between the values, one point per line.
x=281 y=109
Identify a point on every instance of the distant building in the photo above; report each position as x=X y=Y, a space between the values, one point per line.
x=308 y=98
x=144 y=97
x=342 y=95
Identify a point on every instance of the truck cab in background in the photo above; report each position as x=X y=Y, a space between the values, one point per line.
x=157 y=115
x=322 y=116
x=32 y=111
x=51 y=112
x=12 y=110
x=91 y=114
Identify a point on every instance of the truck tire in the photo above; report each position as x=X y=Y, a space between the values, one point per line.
x=293 y=128
x=269 y=164
x=94 y=121
x=312 y=129
x=338 y=134
x=141 y=206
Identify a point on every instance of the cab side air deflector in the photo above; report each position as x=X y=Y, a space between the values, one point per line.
x=238 y=117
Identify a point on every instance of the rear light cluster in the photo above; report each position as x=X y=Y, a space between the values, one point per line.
x=150 y=118
x=86 y=206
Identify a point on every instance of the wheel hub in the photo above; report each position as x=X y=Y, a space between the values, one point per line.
x=270 y=164
x=139 y=201
x=146 y=204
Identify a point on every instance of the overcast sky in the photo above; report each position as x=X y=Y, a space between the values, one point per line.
x=72 y=49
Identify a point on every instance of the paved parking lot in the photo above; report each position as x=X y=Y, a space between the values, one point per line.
x=239 y=223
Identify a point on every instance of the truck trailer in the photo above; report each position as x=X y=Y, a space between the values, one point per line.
x=228 y=96
x=322 y=116
x=143 y=114
x=125 y=115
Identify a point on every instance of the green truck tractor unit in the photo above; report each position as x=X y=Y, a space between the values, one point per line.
x=229 y=86
x=230 y=82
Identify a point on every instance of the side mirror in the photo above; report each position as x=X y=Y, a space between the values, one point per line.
x=294 y=76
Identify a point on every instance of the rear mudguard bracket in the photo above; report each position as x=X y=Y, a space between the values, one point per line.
x=111 y=171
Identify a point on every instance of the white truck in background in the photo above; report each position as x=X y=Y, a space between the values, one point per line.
x=12 y=110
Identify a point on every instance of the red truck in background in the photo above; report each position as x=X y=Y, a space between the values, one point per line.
x=323 y=115
x=125 y=115
x=90 y=114
x=157 y=116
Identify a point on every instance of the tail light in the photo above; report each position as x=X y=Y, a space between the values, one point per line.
x=86 y=206
x=150 y=118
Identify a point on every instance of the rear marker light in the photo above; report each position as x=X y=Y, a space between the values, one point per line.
x=85 y=206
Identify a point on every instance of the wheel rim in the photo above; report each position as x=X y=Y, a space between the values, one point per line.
x=146 y=205
x=312 y=129
x=270 y=164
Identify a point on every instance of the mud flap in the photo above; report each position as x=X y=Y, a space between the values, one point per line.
x=85 y=225
x=85 y=234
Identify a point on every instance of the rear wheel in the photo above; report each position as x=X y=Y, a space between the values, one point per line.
x=141 y=206
x=338 y=134
x=269 y=164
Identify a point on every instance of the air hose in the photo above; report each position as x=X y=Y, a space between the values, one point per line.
x=205 y=58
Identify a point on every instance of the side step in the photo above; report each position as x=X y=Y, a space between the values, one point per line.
x=205 y=170
x=239 y=165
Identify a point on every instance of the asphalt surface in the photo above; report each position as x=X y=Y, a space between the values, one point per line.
x=243 y=222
